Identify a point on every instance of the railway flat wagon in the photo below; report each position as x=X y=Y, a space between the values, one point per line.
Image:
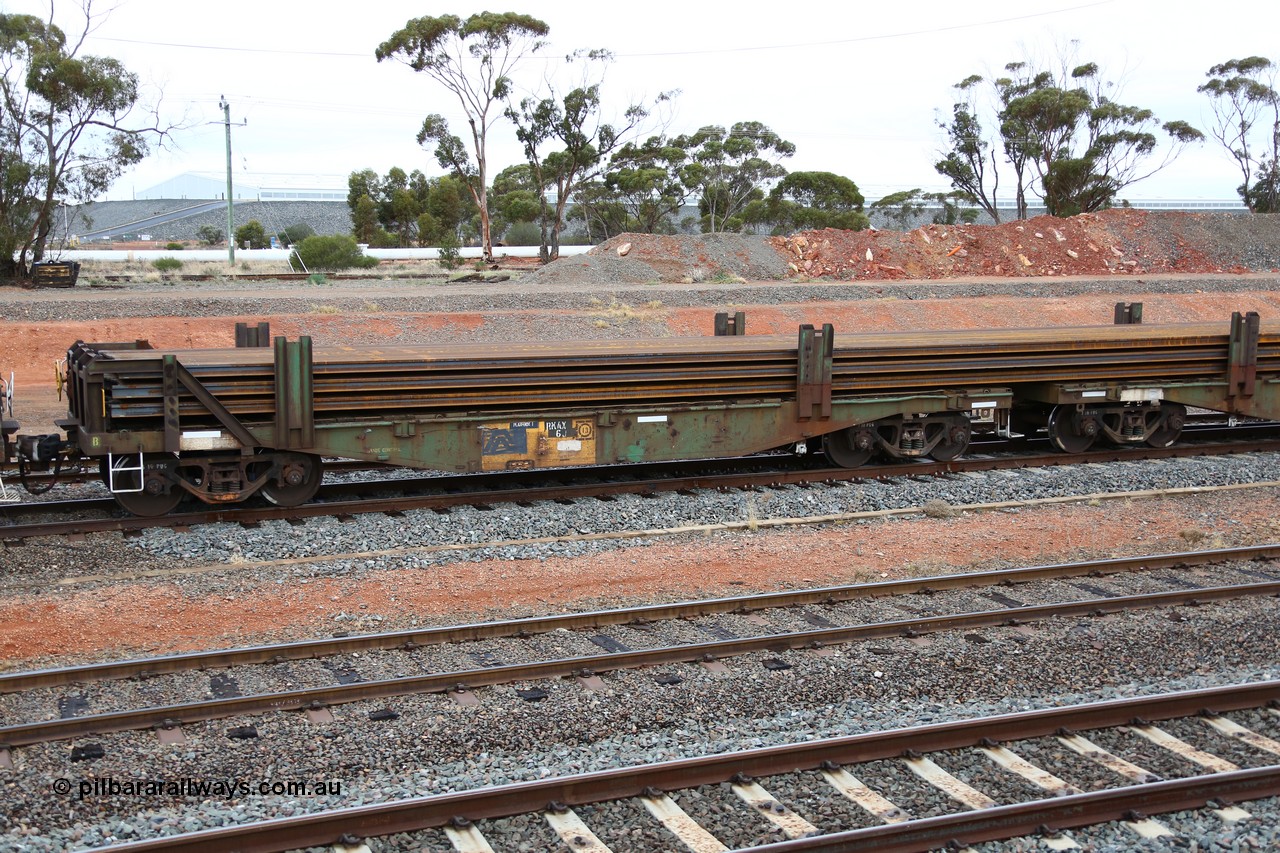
x=225 y=424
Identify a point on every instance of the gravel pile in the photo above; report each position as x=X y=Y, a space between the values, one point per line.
x=1110 y=242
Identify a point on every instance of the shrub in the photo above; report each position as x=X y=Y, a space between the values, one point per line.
x=523 y=234
x=210 y=234
x=251 y=234
x=332 y=252
x=450 y=256
x=295 y=234
x=384 y=239
x=174 y=247
x=167 y=264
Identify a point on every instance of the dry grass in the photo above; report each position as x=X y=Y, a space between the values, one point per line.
x=1192 y=535
x=324 y=309
x=620 y=311
x=939 y=509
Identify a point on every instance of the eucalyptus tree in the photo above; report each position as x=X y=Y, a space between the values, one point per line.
x=566 y=139
x=1064 y=137
x=1246 y=110
x=473 y=59
x=727 y=170
x=66 y=129
x=811 y=200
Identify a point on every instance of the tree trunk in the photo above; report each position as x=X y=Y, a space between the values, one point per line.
x=544 y=252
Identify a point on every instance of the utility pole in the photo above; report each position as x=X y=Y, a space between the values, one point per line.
x=231 y=232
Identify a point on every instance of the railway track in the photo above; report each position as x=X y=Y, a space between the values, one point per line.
x=443 y=492
x=426 y=659
x=771 y=792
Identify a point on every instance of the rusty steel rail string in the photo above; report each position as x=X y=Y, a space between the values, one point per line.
x=600 y=488
x=12 y=682
x=653 y=780
x=171 y=716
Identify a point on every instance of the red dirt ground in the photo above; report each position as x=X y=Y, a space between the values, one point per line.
x=153 y=617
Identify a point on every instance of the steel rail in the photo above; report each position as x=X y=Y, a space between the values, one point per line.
x=454 y=484
x=416 y=814
x=170 y=716
x=81 y=472
x=12 y=682
x=403 y=503
x=1024 y=819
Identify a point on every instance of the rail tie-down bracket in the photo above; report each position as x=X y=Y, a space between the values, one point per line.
x=1242 y=352
x=813 y=372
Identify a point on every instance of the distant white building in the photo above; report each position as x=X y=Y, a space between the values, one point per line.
x=212 y=186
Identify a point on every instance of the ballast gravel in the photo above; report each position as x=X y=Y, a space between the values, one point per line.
x=436 y=745
x=415 y=540
x=594 y=288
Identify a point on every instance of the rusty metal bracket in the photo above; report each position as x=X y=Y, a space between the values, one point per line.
x=175 y=377
x=1242 y=362
x=813 y=372
x=295 y=405
x=253 y=336
x=731 y=325
x=1128 y=313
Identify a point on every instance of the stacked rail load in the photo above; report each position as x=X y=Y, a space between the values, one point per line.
x=223 y=424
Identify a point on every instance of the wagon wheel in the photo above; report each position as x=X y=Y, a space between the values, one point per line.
x=1065 y=433
x=1175 y=416
x=300 y=476
x=845 y=447
x=146 y=505
x=945 y=451
x=152 y=500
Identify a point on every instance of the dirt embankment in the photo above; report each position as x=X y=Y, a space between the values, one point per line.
x=1114 y=242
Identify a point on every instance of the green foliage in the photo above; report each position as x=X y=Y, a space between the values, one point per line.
x=331 y=252
x=174 y=247
x=210 y=235
x=902 y=208
x=1068 y=133
x=364 y=219
x=295 y=234
x=450 y=256
x=473 y=59
x=641 y=190
x=167 y=264
x=905 y=209
x=384 y=239
x=65 y=132
x=729 y=170
x=251 y=235
x=515 y=198
x=966 y=163
x=1263 y=196
x=523 y=234
x=565 y=144
x=812 y=200
x=1246 y=108
x=388 y=211
x=956 y=207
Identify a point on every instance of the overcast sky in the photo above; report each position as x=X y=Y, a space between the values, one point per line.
x=856 y=86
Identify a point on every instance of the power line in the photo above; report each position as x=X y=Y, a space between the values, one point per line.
x=702 y=52
x=881 y=37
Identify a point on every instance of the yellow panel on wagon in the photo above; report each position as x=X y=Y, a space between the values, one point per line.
x=516 y=445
